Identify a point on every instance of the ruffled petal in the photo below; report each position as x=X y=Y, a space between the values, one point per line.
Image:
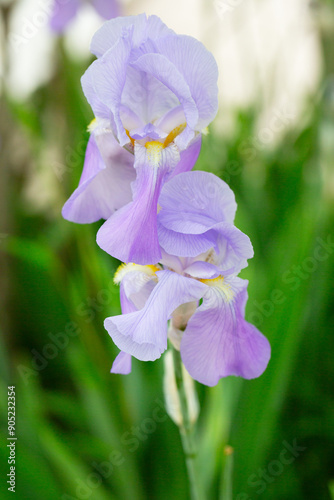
x=131 y=233
x=109 y=33
x=122 y=364
x=193 y=202
x=143 y=334
x=105 y=184
x=219 y=342
x=230 y=247
x=63 y=13
x=199 y=69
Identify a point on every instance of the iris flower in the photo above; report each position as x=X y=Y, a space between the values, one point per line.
x=64 y=11
x=156 y=91
x=215 y=340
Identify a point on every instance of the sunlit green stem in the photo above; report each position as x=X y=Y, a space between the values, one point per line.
x=186 y=432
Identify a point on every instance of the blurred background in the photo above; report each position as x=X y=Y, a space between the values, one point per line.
x=83 y=433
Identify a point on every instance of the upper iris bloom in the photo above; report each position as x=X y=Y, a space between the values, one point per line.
x=158 y=91
x=64 y=11
x=214 y=338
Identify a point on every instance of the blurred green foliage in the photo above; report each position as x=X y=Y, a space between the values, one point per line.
x=73 y=416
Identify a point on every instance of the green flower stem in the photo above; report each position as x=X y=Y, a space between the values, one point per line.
x=186 y=432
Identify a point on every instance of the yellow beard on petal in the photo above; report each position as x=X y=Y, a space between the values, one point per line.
x=124 y=269
x=221 y=285
x=154 y=149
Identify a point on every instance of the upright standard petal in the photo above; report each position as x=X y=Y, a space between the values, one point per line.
x=199 y=70
x=165 y=72
x=106 y=79
x=218 y=341
x=131 y=234
x=105 y=183
x=143 y=334
x=100 y=110
x=143 y=27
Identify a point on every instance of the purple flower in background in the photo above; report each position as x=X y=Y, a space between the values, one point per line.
x=64 y=11
x=215 y=340
x=158 y=91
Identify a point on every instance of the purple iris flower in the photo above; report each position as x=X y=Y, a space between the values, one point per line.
x=158 y=91
x=64 y=11
x=215 y=340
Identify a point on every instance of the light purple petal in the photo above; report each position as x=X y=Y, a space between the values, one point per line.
x=143 y=334
x=193 y=202
x=63 y=13
x=188 y=157
x=199 y=69
x=156 y=28
x=127 y=305
x=171 y=262
x=147 y=96
x=233 y=248
x=107 y=8
x=136 y=287
x=165 y=72
x=130 y=119
x=173 y=118
x=106 y=77
x=109 y=33
x=131 y=234
x=219 y=342
x=202 y=270
x=184 y=245
x=105 y=184
x=87 y=82
x=122 y=364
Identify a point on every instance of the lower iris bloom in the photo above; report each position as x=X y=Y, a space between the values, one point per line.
x=200 y=295
x=64 y=11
